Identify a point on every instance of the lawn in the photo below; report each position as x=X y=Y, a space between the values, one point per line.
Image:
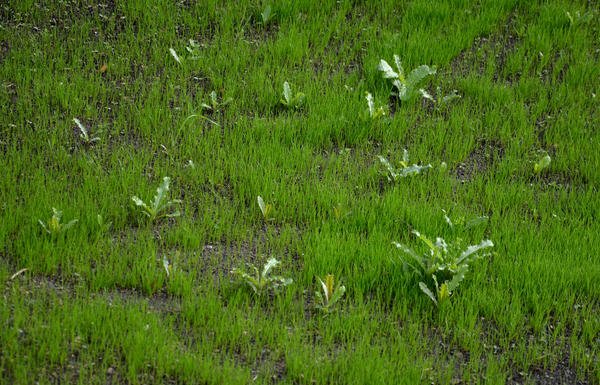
x=112 y=274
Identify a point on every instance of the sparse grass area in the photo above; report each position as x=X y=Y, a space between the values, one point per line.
x=117 y=298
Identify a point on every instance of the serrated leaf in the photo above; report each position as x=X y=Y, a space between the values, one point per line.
x=429 y=293
x=458 y=277
x=450 y=97
x=388 y=71
x=400 y=69
x=426 y=95
x=138 y=201
x=474 y=249
x=418 y=74
x=389 y=167
x=271 y=263
x=413 y=170
x=161 y=193
x=174 y=54
x=84 y=131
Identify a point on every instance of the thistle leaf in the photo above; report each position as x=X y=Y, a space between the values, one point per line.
x=418 y=74
x=388 y=71
x=161 y=193
x=271 y=263
x=473 y=249
x=429 y=293
x=389 y=167
x=400 y=69
x=174 y=54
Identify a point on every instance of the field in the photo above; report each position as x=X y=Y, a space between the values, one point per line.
x=100 y=101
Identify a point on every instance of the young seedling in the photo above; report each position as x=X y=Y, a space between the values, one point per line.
x=374 y=113
x=461 y=223
x=266 y=16
x=439 y=100
x=542 y=163
x=261 y=281
x=167 y=266
x=159 y=206
x=214 y=104
x=175 y=56
x=405 y=85
x=404 y=170
x=266 y=209
x=84 y=134
x=330 y=295
x=54 y=227
x=290 y=100
x=445 y=263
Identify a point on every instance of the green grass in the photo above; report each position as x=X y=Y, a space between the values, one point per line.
x=95 y=304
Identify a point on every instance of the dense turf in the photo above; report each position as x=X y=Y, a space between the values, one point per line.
x=95 y=304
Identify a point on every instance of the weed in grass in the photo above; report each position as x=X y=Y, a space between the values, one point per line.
x=443 y=266
x=175 y=56
x=266 y=15
x=439 y=100
x=404 y=170
x=167 y=266
x=84 y=134
x=330 y=294
x=261 y=281
x=160 y=205
x=214 y=105
x=406 y=86
x=578 y=18
x=291 y=101
x=460 y=223
x=54 y=226
x=373 y=112
x=266 y=209
x=542 y=163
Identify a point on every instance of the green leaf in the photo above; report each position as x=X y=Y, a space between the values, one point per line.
x=542 y=164
x=401 y=76
x=370 y=103
x=473 y=250
x=418 y=74
x=174 y=54
x=337 y=294
x=429 y=293
x=388 y=71
x=271 y=263
x=287 y=93
x=266 y=14
x=161 y=193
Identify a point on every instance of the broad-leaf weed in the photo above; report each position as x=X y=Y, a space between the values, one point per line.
x=406 y=85
x=290 y=100
x=330 y=294
x=404 y=170
x=160 y=205
x=54 y=226
x=261 y=281
x=443 y=266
